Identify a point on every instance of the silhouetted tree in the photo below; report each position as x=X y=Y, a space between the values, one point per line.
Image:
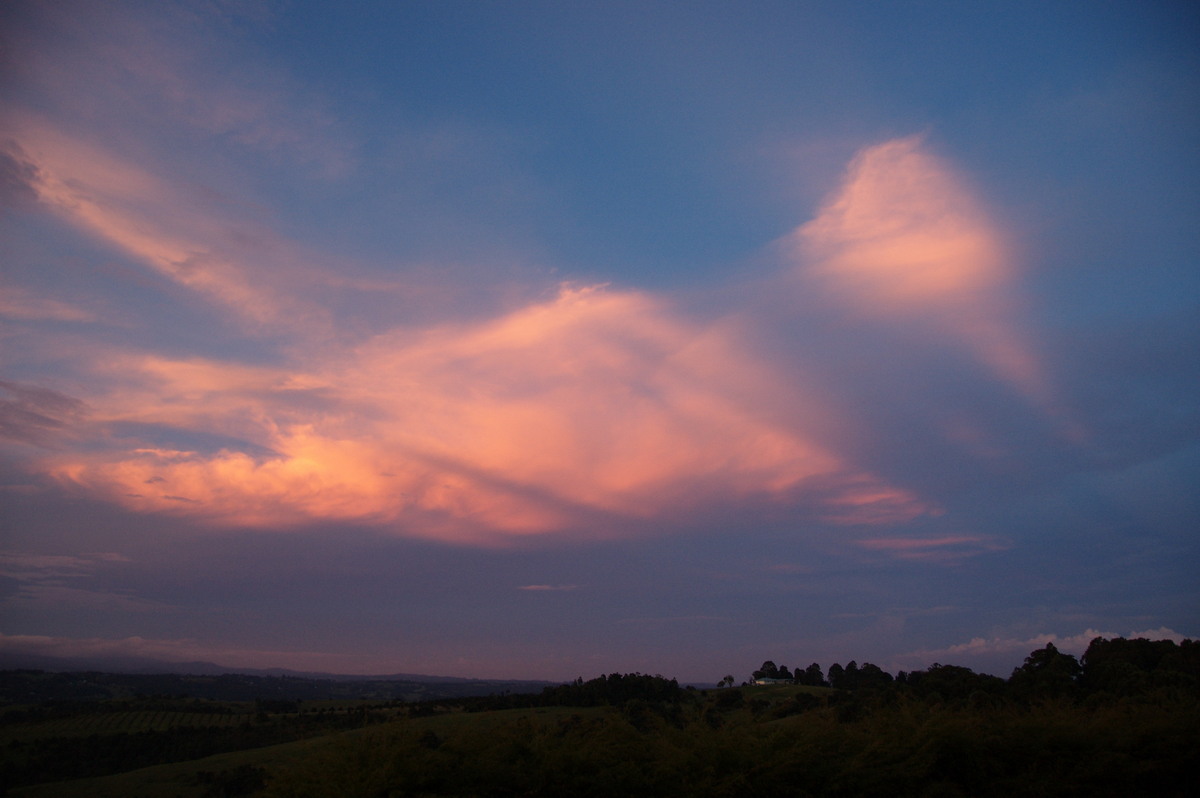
x=952 y=682
x=812 y=676
x=872 y=676
x=1046 y=671
x=768 y=671
x=1127 y=667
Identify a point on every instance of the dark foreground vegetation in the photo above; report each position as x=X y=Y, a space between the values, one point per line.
x=1124 y=720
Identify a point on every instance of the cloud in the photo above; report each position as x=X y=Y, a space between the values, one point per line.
x=17 y=177
x=574 y=412
x=76 y=600
x=31 y=414
x=150 y=219
x=42 y=567
x=944 y=548
x=53 y=580
x=540 y=588
x=19 y=304
x=904 y=239
x=668 y=621
x=174 y=67
x=594 y=412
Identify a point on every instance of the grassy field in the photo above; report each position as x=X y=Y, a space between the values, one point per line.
x=179 y=779
x=89 y=740
x=183 y=779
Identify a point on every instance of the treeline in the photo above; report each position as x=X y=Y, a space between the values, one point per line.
x=611 y=690
x=614 y=689
x=1124 y=721
x=1115 y=666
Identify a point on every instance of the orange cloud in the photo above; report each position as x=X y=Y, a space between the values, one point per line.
x=576 y=412
x=905 y=238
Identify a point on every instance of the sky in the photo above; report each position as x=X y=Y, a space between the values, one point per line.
x=550 y=339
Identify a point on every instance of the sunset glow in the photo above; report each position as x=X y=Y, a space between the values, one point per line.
x=594 y=400
x=537 y=342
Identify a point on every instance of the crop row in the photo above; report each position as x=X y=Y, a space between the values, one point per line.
x=121 y=722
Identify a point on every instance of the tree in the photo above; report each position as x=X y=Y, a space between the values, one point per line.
x=768 y=671
x=1047 y=671
x=952 y=682
x=873 y=676
x=1127 y=667
x=812 y=676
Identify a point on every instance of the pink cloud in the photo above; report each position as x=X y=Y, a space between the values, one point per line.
x=905 y=238
x=149 y=219
x=597 y=404
x=583 y=411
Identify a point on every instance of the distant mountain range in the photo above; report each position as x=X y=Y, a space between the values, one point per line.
x=147 y=665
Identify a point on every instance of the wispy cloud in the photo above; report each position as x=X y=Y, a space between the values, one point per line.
x=54 y=566
x=148 y=218
x=18 y=304
x=175 y=68
x=673 y=619
x=943 y=548
x=32 y=414
x=541 y=588
x=68 y=582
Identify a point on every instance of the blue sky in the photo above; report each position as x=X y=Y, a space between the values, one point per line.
x=549 y=339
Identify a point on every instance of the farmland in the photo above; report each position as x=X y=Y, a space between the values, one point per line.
x=124 y=721
x=1124 y=721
